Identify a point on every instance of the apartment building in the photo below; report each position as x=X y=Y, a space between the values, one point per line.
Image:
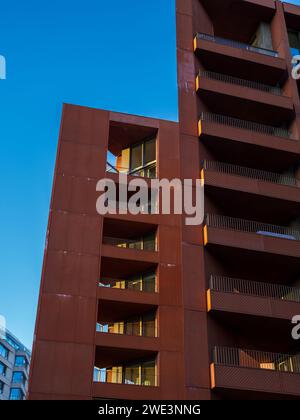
x=14 y=368
x=144 y=306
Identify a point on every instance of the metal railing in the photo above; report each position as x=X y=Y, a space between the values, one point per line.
x=137 y=244
x=245 y=125
x=237 y=44
x=252 y=288
x=241 y=225
x=275 y=90
x=227 y=168
x=253 y=359
x=148 y=171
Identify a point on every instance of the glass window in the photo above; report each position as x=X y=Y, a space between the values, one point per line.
x=150 y=152
x=136 y=157
x=132 y=375
x=135 y=283
x=4 y=352
x=18 y=378
x=149 y=283
x=149 y=373
x=2 y=369
x=294 y=42
x=143 y=159
x=149 y=325
x=133 y=326
x=1 y=387
x=20 y=361
x=15 y=394
x=150 y=242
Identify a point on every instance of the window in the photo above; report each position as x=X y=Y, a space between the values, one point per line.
x=21 y=361
x=145 y=283
x=3 y=351
x=2 y=369
x=15 y=394
x=149 y=374
x=1 y=387
x=143 y=159
x=149 y=242
x=149 y=325
x=149 y=283
x=294 y=42
x=18 y=378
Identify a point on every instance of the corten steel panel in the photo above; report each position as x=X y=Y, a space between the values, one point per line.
x=130 y=296
x=253 y=305
x=129 y=254
x=126 y=392
x=253 y=186
x=262 y=106
x=121 y=341
x=253 y=242
x=259 y=380
x=218 y=132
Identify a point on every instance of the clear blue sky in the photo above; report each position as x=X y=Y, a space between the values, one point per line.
x=114 y=54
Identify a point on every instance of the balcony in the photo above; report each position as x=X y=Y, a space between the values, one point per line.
x=235 y=178
x=124 y=374
x=223 y=92
x=239 y=59
x=255 y=372
x=251 y=235
x=269 y=300
x=220 y=131
x=129 y=240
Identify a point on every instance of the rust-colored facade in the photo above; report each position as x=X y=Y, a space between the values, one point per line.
x=146 y=307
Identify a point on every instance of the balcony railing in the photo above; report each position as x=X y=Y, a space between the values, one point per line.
x=226 y=168
x=253 y=288
x=245 y=125
x=241 y=225
x=236 y=44
x=148 y=171
x=275 y=90
x=252 y=359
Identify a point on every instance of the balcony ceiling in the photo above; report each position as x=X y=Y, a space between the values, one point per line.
x=110 y=311
x=108 y=357
x=226 y=17
x=123 y=135
x=120 y=269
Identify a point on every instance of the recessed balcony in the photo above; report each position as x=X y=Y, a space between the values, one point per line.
x=231 y=177
x=239 y=59
x=251 y=235
x=255 y=372
x=128 y=240
x=217 y=129
x=257 y=299
x=125 y=374
x=222 y=93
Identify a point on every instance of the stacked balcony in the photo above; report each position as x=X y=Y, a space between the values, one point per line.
x=127 y=333
x=249 y=143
